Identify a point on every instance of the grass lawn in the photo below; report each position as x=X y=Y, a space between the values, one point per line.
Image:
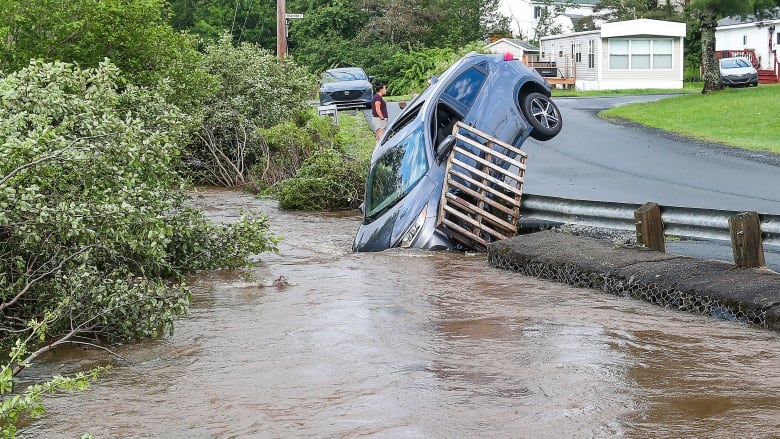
x=741 y=117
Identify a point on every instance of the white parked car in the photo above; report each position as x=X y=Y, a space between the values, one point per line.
x=735 y=72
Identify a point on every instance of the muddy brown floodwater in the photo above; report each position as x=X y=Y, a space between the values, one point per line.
x=417 y=344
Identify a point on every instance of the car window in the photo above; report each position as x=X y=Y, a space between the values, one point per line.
x=465 y=87
x=404 y=119
x=734 y=63
x=395 y=173
x=344 y=75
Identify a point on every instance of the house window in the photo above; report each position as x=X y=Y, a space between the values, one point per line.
x=537 y=12
x=618 y=54
x=744 y=40
x=591 y=54
x=662 y=54
x=578 y=53
x=640 y=54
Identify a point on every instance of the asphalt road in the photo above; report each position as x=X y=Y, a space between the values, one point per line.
x=594 y=159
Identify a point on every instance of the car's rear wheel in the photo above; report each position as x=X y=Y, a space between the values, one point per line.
x=543 y=115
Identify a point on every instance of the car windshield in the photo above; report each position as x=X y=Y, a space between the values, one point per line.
x=734 y=63
x=396 y=173
x=344 y=75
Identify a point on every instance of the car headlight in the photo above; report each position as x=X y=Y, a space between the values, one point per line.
x=408 y=237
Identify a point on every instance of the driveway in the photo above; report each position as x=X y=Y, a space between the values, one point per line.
x=593 y=159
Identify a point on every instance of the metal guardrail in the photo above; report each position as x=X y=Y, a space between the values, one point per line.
x=685 y=222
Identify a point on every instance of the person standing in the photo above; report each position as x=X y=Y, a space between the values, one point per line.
x=379 y=110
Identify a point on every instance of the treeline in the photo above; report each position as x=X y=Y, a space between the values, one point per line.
x=355 y=32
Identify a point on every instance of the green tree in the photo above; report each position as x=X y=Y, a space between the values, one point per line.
x=251 y=21
x=254 y=90
x=621 y=10
x=401 y=22
x=459 y=25
x=549 y=11
x=708 y=13
x=133 y=35
x=342 y=18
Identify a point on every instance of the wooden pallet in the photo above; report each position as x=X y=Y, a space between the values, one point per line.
x=484 y=176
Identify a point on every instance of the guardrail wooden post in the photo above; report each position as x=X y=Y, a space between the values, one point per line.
x=649 y=228
x=745 y=231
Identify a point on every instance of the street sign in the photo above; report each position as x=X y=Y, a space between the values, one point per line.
x=288 y=16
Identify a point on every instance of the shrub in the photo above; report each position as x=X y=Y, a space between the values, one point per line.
x=255 y=90
x=289 y=145
x=329 y=180
x=133 y=35
x=95 y=229
x=333 y=177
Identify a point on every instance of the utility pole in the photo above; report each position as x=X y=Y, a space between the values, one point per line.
x=281 y=29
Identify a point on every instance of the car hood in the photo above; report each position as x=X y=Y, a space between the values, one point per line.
x=329 y=87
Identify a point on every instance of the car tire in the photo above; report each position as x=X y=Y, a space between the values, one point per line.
x=543 y=115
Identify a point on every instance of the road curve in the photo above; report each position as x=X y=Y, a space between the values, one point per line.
x=594 y=159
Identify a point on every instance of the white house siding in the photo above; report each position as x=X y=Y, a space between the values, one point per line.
x=750 y=36
x=601 y=76
x=551 y=47
x=504 y=47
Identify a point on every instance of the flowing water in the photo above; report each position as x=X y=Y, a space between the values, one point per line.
x=416 y=344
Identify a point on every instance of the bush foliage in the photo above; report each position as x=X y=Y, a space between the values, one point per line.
x=333 y=178
x=255 y=90
x=95 y=227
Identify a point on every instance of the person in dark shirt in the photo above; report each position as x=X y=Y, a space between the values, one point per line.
x=379 y=110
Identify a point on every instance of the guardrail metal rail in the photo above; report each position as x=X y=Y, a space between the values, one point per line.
x=683 y=222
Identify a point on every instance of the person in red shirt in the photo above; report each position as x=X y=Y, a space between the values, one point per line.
x=379 y=110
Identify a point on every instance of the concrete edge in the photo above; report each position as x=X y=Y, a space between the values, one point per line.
x=707 y=287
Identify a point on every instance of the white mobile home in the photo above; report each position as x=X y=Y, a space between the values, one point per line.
x=621 y=55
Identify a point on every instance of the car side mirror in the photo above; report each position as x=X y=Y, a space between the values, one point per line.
x=371 y=78
x=444 y=148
